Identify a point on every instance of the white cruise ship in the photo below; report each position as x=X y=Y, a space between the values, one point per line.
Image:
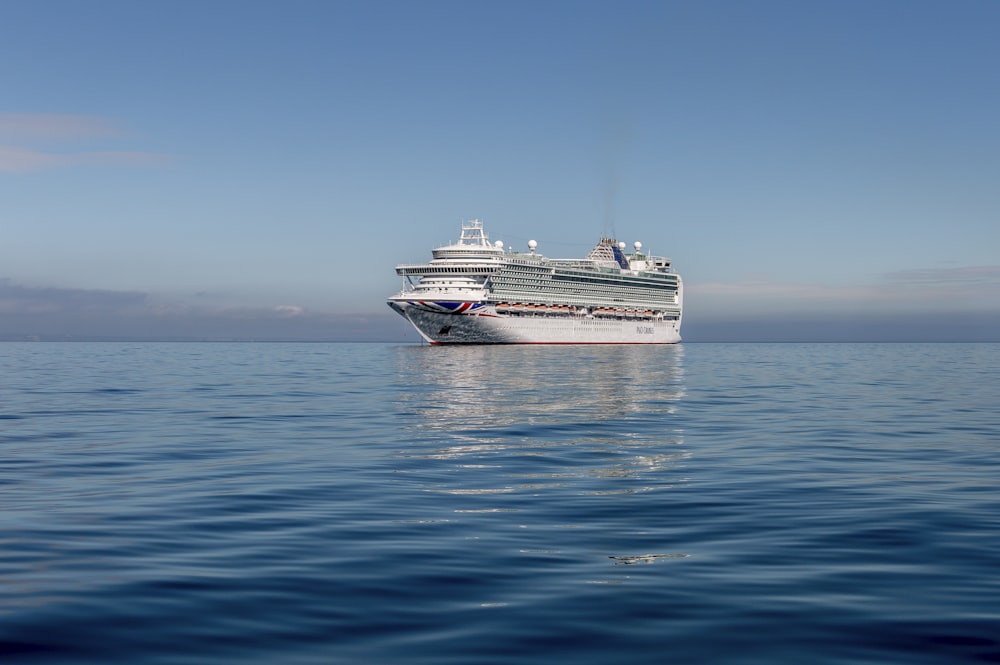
x=477 y=292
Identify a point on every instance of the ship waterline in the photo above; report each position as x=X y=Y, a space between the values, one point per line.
x=474 y=292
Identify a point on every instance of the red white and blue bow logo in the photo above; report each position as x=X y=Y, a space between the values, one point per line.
x=444 y=307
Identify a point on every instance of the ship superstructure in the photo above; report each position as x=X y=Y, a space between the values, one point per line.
x=476 y=292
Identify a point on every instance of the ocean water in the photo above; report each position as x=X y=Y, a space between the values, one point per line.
x=378 y=503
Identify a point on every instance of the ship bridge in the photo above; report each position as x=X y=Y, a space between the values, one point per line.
x=473 y=246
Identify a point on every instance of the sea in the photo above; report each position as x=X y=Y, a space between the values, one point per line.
x=216 y=503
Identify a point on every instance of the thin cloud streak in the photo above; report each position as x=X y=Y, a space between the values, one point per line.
x=37 y=142
x=21 y=160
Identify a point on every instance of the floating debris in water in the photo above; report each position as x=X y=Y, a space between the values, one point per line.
x=645 y=558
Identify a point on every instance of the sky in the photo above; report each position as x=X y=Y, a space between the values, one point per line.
x=234 y=169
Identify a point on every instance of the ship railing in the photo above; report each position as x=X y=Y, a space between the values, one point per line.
x=424 y=269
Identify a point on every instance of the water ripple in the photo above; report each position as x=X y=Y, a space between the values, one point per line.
x=213 y=503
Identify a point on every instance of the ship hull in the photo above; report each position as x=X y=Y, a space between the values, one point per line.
x=484 y=326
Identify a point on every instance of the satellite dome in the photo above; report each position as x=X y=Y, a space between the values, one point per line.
x=638 y=245
x=532 y=245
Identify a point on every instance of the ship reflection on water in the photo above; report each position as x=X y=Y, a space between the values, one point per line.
x=599 y=418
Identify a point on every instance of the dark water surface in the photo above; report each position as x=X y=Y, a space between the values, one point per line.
x=376 y=503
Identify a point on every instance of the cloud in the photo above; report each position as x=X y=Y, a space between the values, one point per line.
x=760 y=295
x=871 y=326
x=973 y=287
x=53 y=313
x=970 y=275
x=927 y=304
x=21 y=160
x=20 y=300
x=754 y=310
x=19 y=127
x=35 y=142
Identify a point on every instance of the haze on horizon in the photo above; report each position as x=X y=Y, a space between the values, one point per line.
x=249 y=170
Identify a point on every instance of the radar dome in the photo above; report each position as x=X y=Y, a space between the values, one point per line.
x=498 y=244
x=532 y=245
x=621 y=246
x=638 y=245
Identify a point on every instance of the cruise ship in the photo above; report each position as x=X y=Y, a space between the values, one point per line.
x=477 y=292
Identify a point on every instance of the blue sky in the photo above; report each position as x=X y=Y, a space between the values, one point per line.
x=256 y=169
